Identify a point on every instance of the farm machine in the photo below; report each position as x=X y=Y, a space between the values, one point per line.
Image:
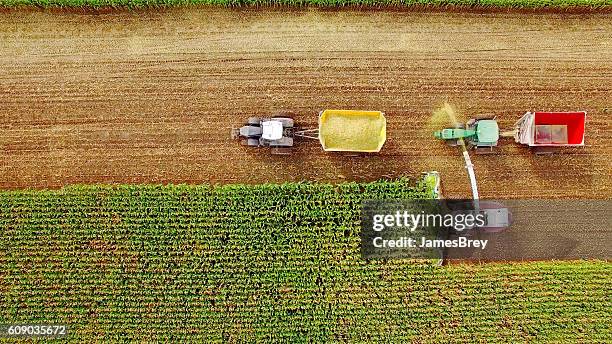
x=480 y=133
x=544 y=132
x=276 y=133
x=349 y=131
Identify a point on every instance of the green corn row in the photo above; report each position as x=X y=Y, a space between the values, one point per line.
x=319 y=3
x=275 y=263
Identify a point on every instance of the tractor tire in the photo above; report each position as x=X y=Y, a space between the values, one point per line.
x=254 y=121
x=235 y=133
x=253 y=142
x=453 y=143
x=485 y=150
x=485 y=116
x=287 y=121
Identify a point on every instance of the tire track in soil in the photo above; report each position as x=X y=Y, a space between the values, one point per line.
x=149 y=97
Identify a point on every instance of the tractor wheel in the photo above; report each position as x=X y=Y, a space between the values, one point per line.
x=254 y=121
x=287 y=121
x=253 y=142
x=485 y=116
x=485 y=150
x=453 y=143
x=235 y=133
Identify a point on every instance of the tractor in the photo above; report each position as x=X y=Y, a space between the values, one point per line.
x=276 y=133
x=480 y=133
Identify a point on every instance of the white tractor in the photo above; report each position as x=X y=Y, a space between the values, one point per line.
x=276 y=133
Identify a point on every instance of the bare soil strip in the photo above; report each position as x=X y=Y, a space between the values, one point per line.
x=149 y=97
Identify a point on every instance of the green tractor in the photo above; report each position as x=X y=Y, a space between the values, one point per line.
x=480 y=134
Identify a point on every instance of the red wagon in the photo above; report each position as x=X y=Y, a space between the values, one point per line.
x=545 y=132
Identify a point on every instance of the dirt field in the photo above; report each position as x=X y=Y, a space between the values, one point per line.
x=140 y=98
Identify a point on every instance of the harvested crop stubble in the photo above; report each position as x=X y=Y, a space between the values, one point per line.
x=264 y=263
x=561 y=4
x=163 y=119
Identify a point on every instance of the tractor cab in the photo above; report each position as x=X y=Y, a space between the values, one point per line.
x=275 y=132
x=272 y=130
x=486 y=133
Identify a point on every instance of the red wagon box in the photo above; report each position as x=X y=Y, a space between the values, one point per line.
x=551 y=129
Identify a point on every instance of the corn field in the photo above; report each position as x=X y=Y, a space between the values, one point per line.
x=240 y=263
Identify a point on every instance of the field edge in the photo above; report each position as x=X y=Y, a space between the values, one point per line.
x=572 y=6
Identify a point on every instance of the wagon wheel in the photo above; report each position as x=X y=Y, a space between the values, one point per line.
x=544 y=150
x=351 y=154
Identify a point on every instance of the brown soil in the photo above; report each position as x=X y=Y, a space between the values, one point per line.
x=149 y=97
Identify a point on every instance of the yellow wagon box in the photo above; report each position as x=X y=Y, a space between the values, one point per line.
x=352 y=130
